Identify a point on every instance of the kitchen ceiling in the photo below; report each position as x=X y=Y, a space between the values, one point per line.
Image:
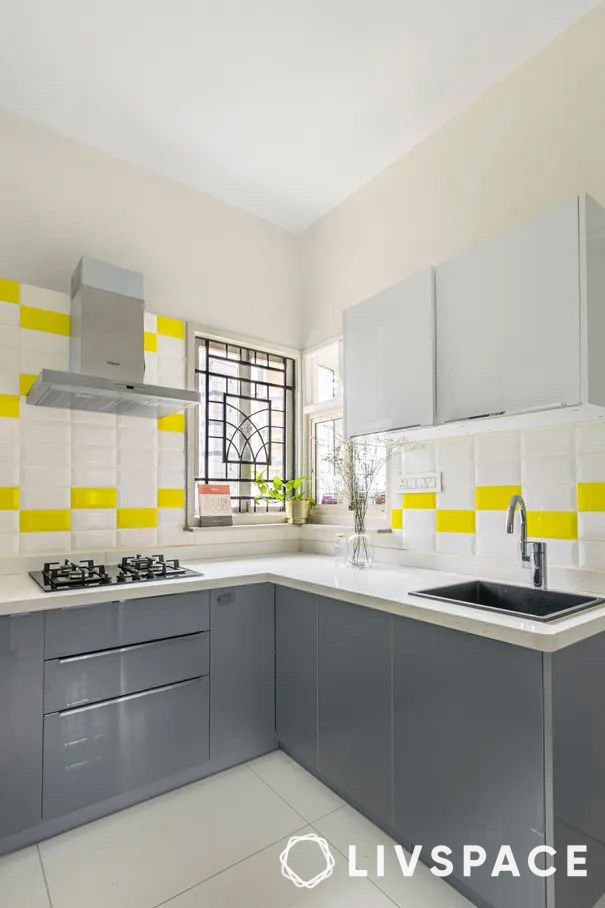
x=281 y=108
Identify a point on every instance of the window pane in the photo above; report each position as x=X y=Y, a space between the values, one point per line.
x=325 y=384
x=328 y=485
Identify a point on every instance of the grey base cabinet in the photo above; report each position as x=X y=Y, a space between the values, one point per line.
x=242 y=672
x=354 y=705
x=296 y=626
x=21 y=687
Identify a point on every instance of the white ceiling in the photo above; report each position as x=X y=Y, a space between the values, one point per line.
x=281 y=108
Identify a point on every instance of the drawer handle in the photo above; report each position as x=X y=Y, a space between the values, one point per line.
x=144 y=693
x=66 y=660
x=224 y=598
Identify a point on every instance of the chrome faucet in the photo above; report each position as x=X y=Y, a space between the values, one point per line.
x=533 y=554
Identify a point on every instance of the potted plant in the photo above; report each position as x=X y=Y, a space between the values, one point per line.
x=297 y=504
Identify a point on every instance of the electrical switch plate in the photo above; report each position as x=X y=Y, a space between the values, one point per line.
x=420 y=482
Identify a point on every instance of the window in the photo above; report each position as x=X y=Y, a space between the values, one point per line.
x=324 y=430
x=246 y=419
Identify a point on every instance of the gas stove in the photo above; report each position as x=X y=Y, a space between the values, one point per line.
x=69 y=575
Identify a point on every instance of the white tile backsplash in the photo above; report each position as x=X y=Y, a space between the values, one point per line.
x=548 y=442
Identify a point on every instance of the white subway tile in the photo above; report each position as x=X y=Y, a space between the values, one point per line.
x=175 y=536
x=44 y=476
x=591 y=467
x=44 y=498
x=458 y=493
x=9 y=357
x=491 y=523
x=145 y=434
x=9 y=450
x=590 y=437
x=171 y=348
x=46 y=415
x=498 y=472
x=83 y=476
x=498 y=446
x=171 y=374
x=454 y=453
x=144 y=457
x=419 y=542
x=151 y=322
x=9 y=379
x=137 y=495
x=9 y=472
x=84 y=540
x=455 y=543
x=9 y=521
x=137 y=538
x=93 y=456
x=171 y=517
x=93 y=519
x=497 y=546
x=541 y=470
x=46 y=343
x=151 y=368
x=592 y=556
x=102 y=420
x=9 y=430
x=562 y=552
x=558 y=496
x=9 y=317
x=171 y=441
x=38 y=437
x=33 y=361
x=95 y=435
x=9 y=542
x=416 y=520
x=44 y=543
x=171 y=479
x=420 y=459
x=548 y=442
x=41 y=298
x=591 y=525
x=9 y=338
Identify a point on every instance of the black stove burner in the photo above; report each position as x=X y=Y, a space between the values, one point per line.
x=69 y=575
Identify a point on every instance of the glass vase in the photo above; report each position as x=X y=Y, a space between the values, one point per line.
x=360 y=550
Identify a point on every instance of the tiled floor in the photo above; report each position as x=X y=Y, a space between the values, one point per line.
x=216 y=844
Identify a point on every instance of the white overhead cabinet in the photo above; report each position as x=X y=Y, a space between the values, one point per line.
x=519 y=333
x=389 y=358
x=508 y=321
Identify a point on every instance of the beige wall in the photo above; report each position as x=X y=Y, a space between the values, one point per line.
x=202 y=260
x=535 y=138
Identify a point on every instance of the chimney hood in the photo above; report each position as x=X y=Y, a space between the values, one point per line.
x=106 y=357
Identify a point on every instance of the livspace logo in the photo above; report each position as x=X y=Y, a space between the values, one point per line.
x=540 y=861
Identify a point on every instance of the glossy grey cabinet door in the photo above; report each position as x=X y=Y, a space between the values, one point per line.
x=96 y=752
x=242 y=672
x=21 y=667
x=355 y=734
x=469 y=752
x=296 y=616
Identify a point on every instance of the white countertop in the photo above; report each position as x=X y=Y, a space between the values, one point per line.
x=381 y=587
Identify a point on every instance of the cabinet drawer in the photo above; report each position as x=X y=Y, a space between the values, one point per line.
x=96 y=752
x=89 y=628
x=77 y=680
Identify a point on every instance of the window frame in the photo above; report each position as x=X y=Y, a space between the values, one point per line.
x=195 y=331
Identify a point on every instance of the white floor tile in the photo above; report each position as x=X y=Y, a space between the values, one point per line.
x=347 y=827
x=302 y=791
x=258 y=881
x=144 y=855
x=21 y=880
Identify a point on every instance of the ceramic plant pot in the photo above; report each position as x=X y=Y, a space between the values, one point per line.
x=297 y=512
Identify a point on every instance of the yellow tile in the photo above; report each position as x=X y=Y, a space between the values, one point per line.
x=26 y=380
x=552 y=524
x=591 y=496
x=173 y=423
x=494 y=498
x=10 y=291
x=88 y=497
x=44 y=521
x=9 y=405
x=396 y=518
x=132 y=518
x=9 y=498
x=151 y=342
x=171 y=498
x=420 y=500
x=455 y=521
x=45 y=320
x=171 y=327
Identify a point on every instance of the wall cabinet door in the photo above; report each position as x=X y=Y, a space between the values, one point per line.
x=468 y=746
x=296 y=673
x=242 y=672
x=354 y=741
x=21 y=686
x=508 y=321
x=389 y=358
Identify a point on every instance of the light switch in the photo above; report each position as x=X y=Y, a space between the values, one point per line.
x=420 y=482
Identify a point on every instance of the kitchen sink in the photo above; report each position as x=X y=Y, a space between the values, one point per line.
x=542 y=605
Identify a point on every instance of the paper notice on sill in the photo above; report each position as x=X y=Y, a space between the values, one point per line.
x=215 y=505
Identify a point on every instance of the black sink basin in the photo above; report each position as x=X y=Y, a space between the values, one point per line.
x=543 y=605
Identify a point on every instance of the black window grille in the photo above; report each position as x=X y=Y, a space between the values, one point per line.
x=246 y=419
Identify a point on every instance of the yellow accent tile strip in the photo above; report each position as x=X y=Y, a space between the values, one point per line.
x=552 y=524
x=45 y=320
x=171 y=327
x=44 y=521
x=151 y=342
x=591 y=496
x=9 y=498
x=26 y=380
x=173 y=423
x=420 y=500
x=10 y=291
x=171 y=498
x=396 y=518
x=134 y=518
x=494 y=498
x=88 y=497
x=9 y=405
x=455 y=521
